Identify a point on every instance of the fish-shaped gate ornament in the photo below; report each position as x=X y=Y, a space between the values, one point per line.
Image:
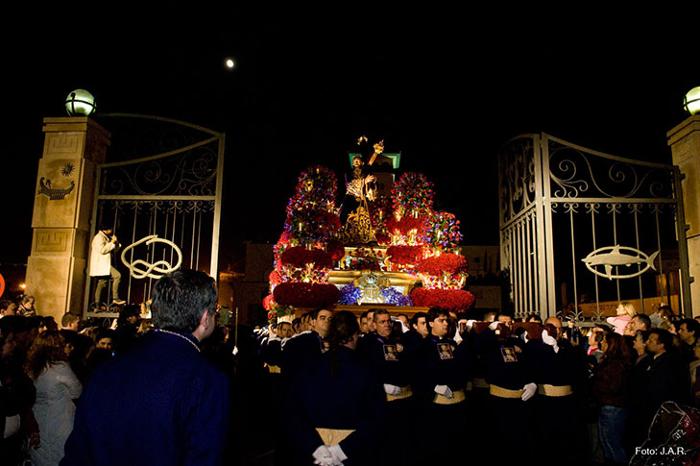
x=612 y=256
x=160 y=267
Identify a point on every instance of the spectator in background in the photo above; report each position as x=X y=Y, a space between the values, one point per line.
x=26 y=306
x=56 y=388
x=7 y=308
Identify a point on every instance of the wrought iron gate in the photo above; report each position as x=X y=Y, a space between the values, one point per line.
x=582 y=230
x=174 y=194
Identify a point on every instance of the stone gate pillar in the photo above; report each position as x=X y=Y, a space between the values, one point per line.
x=63 y=203
x=684 y=140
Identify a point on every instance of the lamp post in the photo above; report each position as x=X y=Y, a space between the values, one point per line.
x=691 y=101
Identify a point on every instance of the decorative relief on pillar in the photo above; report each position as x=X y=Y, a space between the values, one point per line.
x=54 y=194
x=63 y=143
x=51 y=240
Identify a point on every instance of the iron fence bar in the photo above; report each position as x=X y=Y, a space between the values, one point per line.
x=542 y=157
x=194 y=227
x=613 y=200
x=199 y=235
x=635 y=209
x=661 y=262
x=595 y=247
x=573 y=257
x=614 y=214
x=131 y=253
x=528 y=264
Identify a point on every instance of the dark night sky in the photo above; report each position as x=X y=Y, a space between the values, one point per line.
x=446 y=92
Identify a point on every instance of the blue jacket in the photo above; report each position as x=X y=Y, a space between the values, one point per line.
x=162 y=403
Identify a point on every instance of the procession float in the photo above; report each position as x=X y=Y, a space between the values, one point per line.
x=384 y=245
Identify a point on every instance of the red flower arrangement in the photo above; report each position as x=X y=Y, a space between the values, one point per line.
x=267 y=302
x=412 y=192
x=405 y=255
x=336 y=250
x=275 y=278
x=299 y=257
x=406 y=224
x=436 y=265
x=306 y=294
x=451 y=300
x=382 y=238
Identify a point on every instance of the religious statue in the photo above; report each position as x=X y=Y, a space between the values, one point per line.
x=363 y=188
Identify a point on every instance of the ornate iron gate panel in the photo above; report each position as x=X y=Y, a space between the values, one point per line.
x=582 y=230
x=174 y=194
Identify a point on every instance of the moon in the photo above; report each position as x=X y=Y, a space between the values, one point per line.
x=230 y=63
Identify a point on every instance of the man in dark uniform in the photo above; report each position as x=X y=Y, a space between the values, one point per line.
x=511 y=385
x=306 y=347
x=439 y=381
x=335 y=410
x=555 y=364
x=161 y=403
x=385 y=356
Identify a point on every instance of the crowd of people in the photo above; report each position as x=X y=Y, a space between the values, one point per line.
x=331 y=388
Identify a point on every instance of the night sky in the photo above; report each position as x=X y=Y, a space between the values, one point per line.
x=446 y=91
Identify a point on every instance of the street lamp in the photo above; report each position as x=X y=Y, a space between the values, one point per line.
x=691 y=101
x=80 y=102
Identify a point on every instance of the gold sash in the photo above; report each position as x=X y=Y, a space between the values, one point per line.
x=457 y=397
x=501 y=392
x=405 y=392
x=333 y=436
x=554 y=390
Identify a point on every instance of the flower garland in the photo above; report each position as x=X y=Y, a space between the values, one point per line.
x=443 y=231
x=395 y=297
x=405 y=255
x=336 y=250
x=274 y=310
x=350 y=294
x=306 y=294
x=363 y=259
x=299 y=257
x=443 y=263
x=412 y=194
x=452 y=300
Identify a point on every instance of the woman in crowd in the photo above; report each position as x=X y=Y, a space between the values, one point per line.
x=610 y=389
x=56 y=388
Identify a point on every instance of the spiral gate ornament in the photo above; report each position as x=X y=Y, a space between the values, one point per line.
x=142 y=269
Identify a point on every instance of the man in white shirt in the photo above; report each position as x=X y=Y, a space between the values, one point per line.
x=101 y=267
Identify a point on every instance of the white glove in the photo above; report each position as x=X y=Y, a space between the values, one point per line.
x=443 y=390
x=338 y=455
x=551 y=341
x=390 y=389
x=323 y=456
x=470 y=324
x=494 y=325
x=529 y=391
x=457 y=338
x=524 y=336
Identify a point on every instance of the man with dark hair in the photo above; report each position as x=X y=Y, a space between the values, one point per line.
x=439 y=387
x=689 y=331
x=306 y=347
x=384 y=354
x=667 y=378
x=162 y=402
